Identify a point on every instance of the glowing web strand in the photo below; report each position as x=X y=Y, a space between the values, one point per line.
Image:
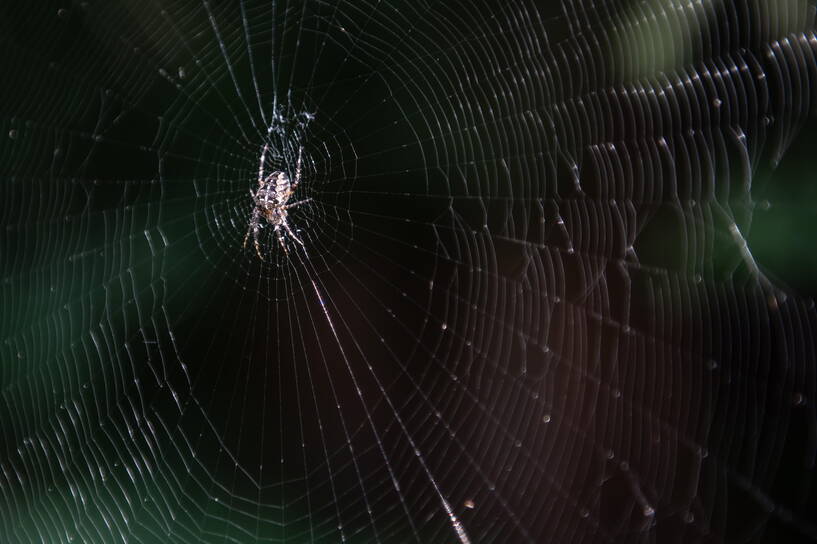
x=455 y=522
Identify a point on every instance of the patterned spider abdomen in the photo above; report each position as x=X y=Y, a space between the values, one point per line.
x=281 y=186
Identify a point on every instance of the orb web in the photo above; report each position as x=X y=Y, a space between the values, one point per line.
x=554 y=281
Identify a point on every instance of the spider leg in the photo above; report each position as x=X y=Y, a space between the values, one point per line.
x=254 y=228
x=253 y=223
x=295 y=204
x=261 y=164
x=257 y=248
x=289 y=230
x=281 y=238
x=298 y=168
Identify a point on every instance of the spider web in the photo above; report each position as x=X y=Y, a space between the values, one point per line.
x=554 y=284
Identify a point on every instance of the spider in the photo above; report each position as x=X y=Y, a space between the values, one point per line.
x=274 y=191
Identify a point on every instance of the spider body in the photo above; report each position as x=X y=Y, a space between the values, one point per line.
x=271 y=202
